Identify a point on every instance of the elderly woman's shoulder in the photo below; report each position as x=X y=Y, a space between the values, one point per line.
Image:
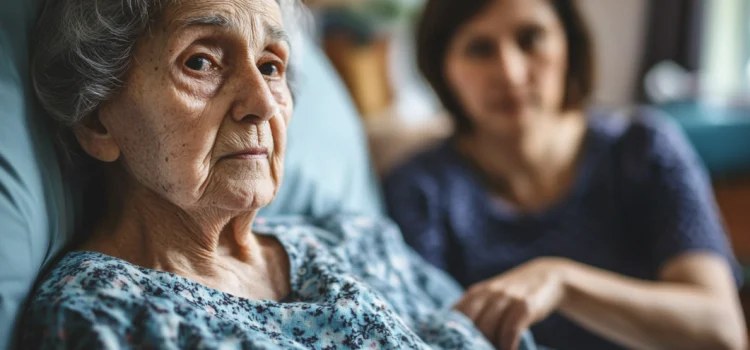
x=81 y=285
x=82 y=275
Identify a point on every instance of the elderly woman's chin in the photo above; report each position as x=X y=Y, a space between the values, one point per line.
x=229 y=185
x=244 y=187
x=250 y=195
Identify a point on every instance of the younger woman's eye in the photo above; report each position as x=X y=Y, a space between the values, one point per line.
x=480 y=48
x=269 y=69
x=198 y=63
x=529 y=38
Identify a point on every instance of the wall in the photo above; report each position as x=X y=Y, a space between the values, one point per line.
x=618 y=27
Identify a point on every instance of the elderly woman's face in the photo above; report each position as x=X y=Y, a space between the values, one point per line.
x=202 y=118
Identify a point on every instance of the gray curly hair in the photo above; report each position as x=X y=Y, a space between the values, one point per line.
x=84 y=49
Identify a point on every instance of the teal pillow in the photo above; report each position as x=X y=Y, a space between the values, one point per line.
x=327 y=168
x=36 y=215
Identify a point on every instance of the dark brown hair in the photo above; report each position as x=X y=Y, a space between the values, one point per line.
x=442 y=19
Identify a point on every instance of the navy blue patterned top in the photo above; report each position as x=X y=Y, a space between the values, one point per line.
x=641 y=198
x=354 y=285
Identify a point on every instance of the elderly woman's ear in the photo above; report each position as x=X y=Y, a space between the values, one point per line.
x=94 y=137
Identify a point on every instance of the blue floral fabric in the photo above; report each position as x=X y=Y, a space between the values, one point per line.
x=354 y=285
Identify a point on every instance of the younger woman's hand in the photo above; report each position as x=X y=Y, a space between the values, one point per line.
x=507 y=305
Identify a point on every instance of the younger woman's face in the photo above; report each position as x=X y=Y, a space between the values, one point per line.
x=507 y=66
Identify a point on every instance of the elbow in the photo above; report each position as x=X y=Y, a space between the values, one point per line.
x=720 y=330
x=726 y=344
x=719 y=339
x=730 y=340
x=727 y=329
x=727 y=336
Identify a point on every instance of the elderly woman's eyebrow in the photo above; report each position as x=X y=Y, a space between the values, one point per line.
x=211 y=20
x=274 y=33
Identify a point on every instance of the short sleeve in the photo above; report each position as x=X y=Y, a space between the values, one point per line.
x=683 y=215
x=412 y=201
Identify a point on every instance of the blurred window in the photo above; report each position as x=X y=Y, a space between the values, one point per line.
x=726 y=51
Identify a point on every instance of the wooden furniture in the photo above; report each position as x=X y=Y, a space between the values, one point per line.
x=733 y=197
x=364 y=69
x=393 y=141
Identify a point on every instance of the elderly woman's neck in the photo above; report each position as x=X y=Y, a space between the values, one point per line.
x=150 y=231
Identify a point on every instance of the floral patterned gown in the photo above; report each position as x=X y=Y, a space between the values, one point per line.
x=354 y=285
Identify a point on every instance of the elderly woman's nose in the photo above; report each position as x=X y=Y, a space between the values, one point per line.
x=254 y=101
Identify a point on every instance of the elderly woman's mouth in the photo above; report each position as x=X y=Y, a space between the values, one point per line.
x=249 y=154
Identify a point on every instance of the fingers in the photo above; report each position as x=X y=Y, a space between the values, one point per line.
x=518 y=318
x=489 y=320
x=472 y=303
x=487 y=309
x=502 y=312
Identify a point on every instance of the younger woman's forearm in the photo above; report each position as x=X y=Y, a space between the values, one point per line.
x=652 y=315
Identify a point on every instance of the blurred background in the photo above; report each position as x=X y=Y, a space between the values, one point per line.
x=690 y=58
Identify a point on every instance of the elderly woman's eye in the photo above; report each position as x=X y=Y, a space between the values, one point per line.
x=270 y=69
x=198 y=63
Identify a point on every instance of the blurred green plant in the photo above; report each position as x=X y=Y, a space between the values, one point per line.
x=366 y=19
x=390 y=11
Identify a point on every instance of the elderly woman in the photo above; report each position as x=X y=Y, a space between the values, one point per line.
x=181 y=108
x=595 y=230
